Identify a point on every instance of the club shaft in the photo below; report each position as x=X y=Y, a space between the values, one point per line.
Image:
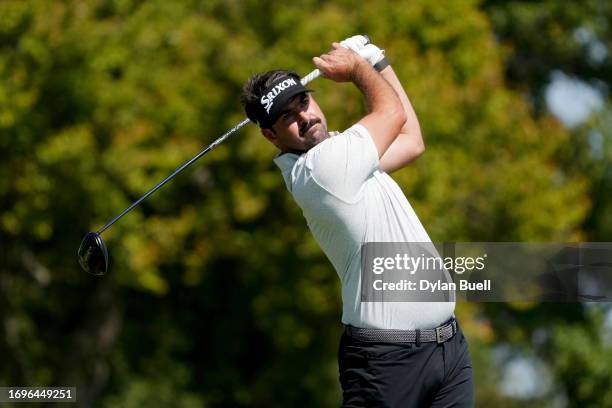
x=174 y=173
x=312 y=75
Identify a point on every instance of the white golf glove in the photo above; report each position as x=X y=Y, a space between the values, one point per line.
x=370 y=52
x=355 y=42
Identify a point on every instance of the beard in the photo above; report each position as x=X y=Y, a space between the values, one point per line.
x=312 y=133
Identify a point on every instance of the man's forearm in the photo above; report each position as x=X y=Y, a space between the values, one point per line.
x=412 y=124
x=377 y=91
x=409 y=144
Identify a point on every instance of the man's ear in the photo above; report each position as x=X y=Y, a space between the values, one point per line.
x=270 y=135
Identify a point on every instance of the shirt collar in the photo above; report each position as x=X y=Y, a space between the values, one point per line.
x=286 y=161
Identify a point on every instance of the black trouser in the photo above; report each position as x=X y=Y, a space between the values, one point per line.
x=406 y=374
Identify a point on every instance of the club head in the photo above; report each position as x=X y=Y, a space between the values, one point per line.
x=93 y=256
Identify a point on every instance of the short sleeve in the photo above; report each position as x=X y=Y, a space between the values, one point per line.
x=341 y=164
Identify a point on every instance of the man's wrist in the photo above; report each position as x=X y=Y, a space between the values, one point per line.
x=360 y=65
x=382 y=64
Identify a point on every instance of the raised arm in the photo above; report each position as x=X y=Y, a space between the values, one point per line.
x=409 y=143
x=386 y=114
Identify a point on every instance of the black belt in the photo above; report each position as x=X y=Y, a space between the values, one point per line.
x=438 y=335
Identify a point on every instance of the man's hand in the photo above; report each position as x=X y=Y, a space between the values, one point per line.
x=360 y=45
x=355 y=42
x=339 y=64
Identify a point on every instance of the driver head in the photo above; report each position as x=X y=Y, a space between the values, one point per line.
x=92 y=254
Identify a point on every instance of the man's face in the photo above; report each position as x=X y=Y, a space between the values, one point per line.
x=300 y=127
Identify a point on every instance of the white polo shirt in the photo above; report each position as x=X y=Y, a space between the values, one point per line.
x=347 y=201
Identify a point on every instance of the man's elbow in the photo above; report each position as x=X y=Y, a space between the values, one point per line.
x=419 y=147
x=396 y=117
x=415 y=147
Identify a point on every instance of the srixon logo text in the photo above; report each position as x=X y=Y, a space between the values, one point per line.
x=268 y=99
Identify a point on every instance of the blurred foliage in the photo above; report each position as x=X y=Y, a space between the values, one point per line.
x=217 y=294
x=543 y=36
x=547 y=37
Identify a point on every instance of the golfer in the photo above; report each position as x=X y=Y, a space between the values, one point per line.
x=392 y=354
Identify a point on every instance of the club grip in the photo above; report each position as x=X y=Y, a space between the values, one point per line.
x=312 y=75
x=316 y=73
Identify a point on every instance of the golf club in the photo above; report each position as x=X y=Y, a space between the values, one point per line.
x=92 y=253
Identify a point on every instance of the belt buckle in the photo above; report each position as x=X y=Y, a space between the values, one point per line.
x=439 y=335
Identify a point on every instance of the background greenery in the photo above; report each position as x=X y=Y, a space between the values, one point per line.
x=217 y=295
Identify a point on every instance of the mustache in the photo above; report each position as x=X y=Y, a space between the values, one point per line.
x=305 y=127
